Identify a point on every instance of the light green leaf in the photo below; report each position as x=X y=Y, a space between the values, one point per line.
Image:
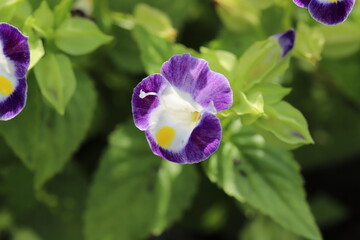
x=262 y=4
x=155 y=50
x=150 y=192
x=262 y=228
x=8 y=9
x=309 y=43
x=284 y=126
x=154 y=21
x=56 y=79
x=77 y=36
x=266 y=178
x=44 y=20
x=271 y=92
x=260 y=60
x=237 y=15
x=219 y=61
x=340 y=40
x=62 y=11
x=42 y=139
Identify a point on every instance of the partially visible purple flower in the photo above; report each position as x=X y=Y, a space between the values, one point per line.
x=286 y=41
x=177 y=108
x=14 y=62
x=329 y=12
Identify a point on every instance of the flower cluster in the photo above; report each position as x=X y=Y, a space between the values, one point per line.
x=14 y=62
x=329 y=12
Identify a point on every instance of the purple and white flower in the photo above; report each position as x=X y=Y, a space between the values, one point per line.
x=14 y=62
x=329 y=12
x=177 y=108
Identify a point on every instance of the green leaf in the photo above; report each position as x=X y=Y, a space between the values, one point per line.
x=340 y=40
x=25 y=234
x=8 y=9
x=44 y=140
x=154 y=21
x=237 y=15
x=284 y=126
x=271 y=92
x=309 y=43
x=35 y=44
x=62 y=11
x=262 y=228
x=257 y=63
x=219 y=61
x=155 y=50
x=56 y=79
x=43 y=20
x=266 y=178
x=78 y=36
x=151 y=192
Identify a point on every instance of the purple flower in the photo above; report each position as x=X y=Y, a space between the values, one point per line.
x=329 y=12
x=14 y=62
x=177 y=108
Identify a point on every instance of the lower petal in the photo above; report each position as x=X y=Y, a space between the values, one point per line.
x=330 y=12
x=203 y=141
x=143 y=106
x=14 y=103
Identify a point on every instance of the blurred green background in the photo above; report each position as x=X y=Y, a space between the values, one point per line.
x=76 y=168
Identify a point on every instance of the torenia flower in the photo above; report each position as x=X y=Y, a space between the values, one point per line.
x=177 y=108
x=329 y=12
x=14 y=62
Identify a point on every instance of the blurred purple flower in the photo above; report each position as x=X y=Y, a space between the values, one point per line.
x=177 y=108
x=14 y=62
x=329 y=12
x=286 y=41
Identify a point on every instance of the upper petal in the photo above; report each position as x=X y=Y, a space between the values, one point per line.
x=330 y=12
x=192 y=75
x=302 y=3
x=203 y=141
x=142 y=106
x=13 y=104
x=15 y=48
x=286 y=41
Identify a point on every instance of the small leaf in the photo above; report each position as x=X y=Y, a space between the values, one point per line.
x=151 y=192
x=266 y=178
x=43 y=20
x=78 y=36
x=271 y=92
x=42 y=139
x=62 y=11
x=284 y=126
x=154 y=21
x=56 y=80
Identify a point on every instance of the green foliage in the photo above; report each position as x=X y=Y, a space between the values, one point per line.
x=157 y=191
x=264 y=177
x=56 y=149
x=77 y=36
x=31 y=135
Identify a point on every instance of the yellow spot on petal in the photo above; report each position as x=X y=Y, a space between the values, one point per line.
x=165 y=136
x=332 y=1
x=195 y=116
x=6 y=86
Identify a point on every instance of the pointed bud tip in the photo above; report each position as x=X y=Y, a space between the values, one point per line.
x=286 y=41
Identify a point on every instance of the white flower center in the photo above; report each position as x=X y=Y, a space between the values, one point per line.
x=173 y=121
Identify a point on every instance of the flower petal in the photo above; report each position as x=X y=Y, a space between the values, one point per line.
x=15 y=47
x=286 y=41
x=192 y=75
x=13 y=104
x=330 y=12
x=302 y=3
x=203 y=141
x=142 y=107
